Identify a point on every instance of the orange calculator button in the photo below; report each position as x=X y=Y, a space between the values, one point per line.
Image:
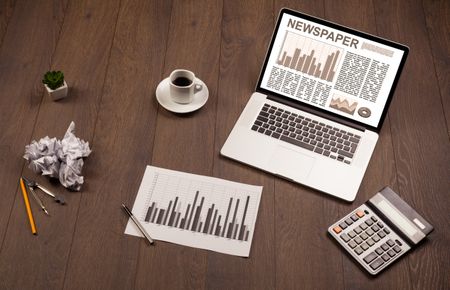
x=337 y=229
x=360 y=213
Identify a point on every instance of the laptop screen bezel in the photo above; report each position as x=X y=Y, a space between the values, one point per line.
x=396 y=45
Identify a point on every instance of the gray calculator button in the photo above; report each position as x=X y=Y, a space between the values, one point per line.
x=351 y=234
x=358 y=240
x=357 y=230
x=390 y=243
x=374 y=219
x=369 y=232
x=397 y=249
x=375 y=228
x=345 y=237
x=376 y=264
x=363 y=226
x=355 y=218
x=380 y=224
x=343 y=225
x=391 y=253
x=358 y=250
x=352 y=244
x=385 y=257
x=364 y=246
x=386 y=230
x=379 y=251
x=369 y=222
x=381 y=234
x=364 y=236
x=349 y=221
x=370 y=257
x=398 y=242
x=384 y=247
x=370 y=242
x=376 y=238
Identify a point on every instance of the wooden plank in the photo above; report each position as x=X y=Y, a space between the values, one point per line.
x=420 y=139
x=437 y=14
x=123 y=144
x=246 y=31
x=305 y=258
x=6 y=10
x=82 y=53
x=21 y=93
x=381 y=171
x=185 y=143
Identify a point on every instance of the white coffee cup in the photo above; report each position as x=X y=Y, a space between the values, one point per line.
x=183 y=86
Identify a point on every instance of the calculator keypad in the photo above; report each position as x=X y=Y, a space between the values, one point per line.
x=368 y=239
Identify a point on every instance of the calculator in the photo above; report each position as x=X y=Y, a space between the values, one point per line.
x=380 y=231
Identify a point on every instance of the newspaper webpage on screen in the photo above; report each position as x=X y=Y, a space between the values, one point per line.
x=331 y=69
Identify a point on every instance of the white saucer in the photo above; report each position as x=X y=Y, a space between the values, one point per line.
x=164 y=99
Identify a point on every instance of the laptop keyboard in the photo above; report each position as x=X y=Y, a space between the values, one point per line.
x=310 y=134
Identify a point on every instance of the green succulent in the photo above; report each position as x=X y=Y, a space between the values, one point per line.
x=53 y=79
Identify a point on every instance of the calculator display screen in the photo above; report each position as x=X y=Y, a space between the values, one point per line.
x=397 y=218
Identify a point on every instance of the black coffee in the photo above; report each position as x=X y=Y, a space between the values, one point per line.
x=182 y=82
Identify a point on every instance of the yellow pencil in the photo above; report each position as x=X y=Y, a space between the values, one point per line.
x=27 y=205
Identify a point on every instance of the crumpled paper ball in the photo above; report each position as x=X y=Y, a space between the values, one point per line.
x=59 y=159
x=72 y=146
x=70 y=174
x=42 y=156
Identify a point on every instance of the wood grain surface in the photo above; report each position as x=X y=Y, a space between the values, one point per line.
x=114 y=53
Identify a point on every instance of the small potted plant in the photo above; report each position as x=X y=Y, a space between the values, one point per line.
x=55 y=84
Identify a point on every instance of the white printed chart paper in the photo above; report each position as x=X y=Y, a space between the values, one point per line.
x=197 y=211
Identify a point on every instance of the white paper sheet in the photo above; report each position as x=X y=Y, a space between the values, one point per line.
x=224 y=213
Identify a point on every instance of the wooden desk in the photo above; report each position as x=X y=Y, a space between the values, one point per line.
x=114 y=53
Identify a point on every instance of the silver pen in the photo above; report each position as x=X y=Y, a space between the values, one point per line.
x=138 y=224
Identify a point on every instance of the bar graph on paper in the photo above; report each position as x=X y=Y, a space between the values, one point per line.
x=309 y=56
x=197 y=211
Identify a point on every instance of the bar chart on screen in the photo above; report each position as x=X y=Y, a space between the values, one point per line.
x=309 y=56
x=197 y=211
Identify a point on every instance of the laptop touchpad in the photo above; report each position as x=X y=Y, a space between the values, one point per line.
x=291 y=164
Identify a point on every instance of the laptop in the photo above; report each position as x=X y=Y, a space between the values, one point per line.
x=321 y=99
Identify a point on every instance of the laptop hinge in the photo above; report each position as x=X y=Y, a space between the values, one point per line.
x=314 y=112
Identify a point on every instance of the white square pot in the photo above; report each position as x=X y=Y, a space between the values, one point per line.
x=59 y=93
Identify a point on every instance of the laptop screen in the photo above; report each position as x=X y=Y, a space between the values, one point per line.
x=332 y=68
